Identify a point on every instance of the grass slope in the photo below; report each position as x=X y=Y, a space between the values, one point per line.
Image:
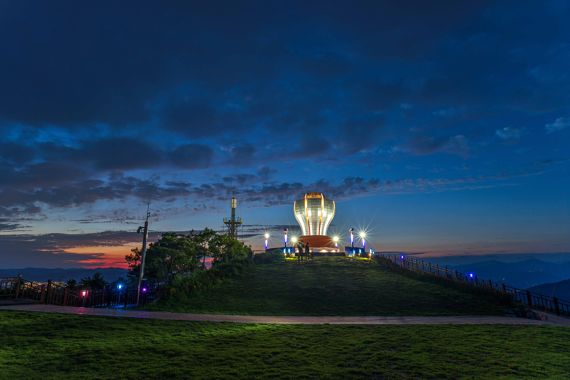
x=52 y=346
x=333 y=286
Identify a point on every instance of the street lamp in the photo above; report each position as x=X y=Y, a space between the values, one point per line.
x=351 y=237
x=362 y=235
x=266 y=240
x=285 y=231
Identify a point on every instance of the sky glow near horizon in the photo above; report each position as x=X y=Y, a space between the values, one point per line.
x=441 y=128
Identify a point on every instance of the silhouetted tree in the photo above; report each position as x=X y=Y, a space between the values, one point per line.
x=96 y=281
x=71 y=284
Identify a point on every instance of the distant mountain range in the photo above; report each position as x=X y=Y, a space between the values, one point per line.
x=61 y=275
x=560 y=289
x=522 y=274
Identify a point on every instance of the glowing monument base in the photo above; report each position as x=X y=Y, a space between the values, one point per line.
x=320 y=243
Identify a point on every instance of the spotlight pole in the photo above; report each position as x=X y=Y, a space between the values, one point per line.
x=352 y=237
x=143 y=253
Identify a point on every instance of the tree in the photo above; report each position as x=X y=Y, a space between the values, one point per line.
x=176 y=255
x=71 y=284
x=95 y=282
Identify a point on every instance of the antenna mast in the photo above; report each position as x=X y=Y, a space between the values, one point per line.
x=233 y=222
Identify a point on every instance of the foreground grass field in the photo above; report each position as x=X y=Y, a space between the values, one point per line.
x=53 y=346
x=333 y=286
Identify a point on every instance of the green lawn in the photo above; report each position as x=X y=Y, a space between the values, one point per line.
x=52 y=346
x=333 y=286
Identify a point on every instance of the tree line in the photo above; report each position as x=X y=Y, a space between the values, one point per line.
x=178 y=264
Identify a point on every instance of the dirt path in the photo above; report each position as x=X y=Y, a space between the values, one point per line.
x=300 y=320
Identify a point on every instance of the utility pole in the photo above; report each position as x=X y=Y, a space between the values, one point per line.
x=143 y=253
x=233 y=223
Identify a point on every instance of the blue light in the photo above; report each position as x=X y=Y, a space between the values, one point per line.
x=119 y=286
x=401 y=257
x=471 y=275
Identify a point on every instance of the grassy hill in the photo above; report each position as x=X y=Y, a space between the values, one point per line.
x=51 y=346
x=333 y=286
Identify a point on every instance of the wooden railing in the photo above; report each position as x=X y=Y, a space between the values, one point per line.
x=55 y=294
x=521 y=296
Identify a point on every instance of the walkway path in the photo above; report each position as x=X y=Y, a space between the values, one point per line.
x=299 y=320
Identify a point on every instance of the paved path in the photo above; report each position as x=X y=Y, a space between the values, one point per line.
x=298 y=320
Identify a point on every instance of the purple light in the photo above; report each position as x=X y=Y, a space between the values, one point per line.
x=401 y=257
x=144 y=290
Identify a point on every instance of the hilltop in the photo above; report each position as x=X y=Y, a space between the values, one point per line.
x=333 y=286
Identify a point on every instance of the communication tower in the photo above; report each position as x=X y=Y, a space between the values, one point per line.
x=233 y=222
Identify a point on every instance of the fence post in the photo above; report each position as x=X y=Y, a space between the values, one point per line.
x=18 y=284
x=529 y=298
x=556 y=305
x=48 y=291
x=42 y=293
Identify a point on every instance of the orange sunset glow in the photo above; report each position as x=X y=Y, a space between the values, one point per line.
x=107 y=256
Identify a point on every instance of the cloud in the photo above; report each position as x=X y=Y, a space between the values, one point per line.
x=559 y=124
x=53 y=250
x=192 y=119
x=120 y=153
x=192 y=156
x=424 y=145
x=242 y=154
x=16 y=154
x=10 y=226
x=508 y=133
x=74 y=193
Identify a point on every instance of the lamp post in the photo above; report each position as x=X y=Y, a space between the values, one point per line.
x=351 y=237
x=294 y=241
x=143 y=254
x=362 y=235
x=266 y=240
x=285 y=232
x=119 y=288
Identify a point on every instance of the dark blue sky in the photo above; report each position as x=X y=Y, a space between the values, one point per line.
x=441 y=127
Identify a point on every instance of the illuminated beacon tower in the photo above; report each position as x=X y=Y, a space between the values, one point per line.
x=314 y=213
